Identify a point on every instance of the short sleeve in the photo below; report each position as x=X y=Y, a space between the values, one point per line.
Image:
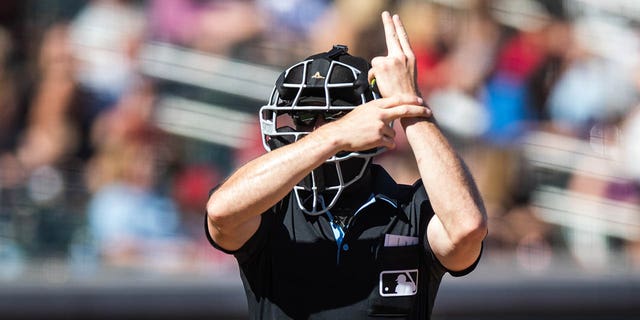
x=253 y=245
x=257 y=241
x=470 y=268
x=420 y=202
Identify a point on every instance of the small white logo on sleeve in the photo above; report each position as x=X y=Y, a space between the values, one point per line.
x=397 y=283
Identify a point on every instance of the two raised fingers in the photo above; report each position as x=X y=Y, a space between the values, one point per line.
x=396 y=36
x=400 y=54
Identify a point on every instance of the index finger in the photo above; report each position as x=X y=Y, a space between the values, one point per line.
x=397 y=100
x=391 y=37
x=407 y=111
x=402 y=36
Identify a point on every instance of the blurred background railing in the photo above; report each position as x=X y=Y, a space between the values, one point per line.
x=117 y=117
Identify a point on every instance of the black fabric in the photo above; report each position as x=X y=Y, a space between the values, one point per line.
x=355 y=195
x=292 y=267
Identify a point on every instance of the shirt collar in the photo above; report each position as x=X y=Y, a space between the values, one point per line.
x=385 y=189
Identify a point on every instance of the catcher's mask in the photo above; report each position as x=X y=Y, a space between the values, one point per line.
x=329 y=84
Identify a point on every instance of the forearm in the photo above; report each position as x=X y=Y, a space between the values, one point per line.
x=452 y=191
x=263 y=182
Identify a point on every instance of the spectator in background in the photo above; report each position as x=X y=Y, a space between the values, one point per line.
x=11 y=119
x=53 y=145
x=191 y=186
x=519 y=44
x=338 y=24
x=105 y=37
x=53 y=131
x=132 y=221
x=221 y=27
x=532 y=34
x=8 y=100
x=581 y=97
x=191 y=190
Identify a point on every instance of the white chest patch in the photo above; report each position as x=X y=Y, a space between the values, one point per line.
x=397 y=283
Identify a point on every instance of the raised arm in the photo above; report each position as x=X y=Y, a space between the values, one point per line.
x=234 y=209
x=456 y=231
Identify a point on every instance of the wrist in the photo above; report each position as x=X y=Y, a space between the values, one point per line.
x=408 y=123
x=327 y=138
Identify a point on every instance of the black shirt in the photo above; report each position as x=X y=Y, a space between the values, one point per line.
x=298 y=266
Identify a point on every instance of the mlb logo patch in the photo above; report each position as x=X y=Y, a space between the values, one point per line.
x=398 y=283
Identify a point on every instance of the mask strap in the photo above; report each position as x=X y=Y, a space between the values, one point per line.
x=337 y=51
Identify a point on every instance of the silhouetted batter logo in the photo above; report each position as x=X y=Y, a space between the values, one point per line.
x=398 y=283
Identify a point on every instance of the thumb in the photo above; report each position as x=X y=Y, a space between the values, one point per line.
x=371 y=77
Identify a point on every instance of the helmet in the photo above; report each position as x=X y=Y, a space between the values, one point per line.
x=332 y=83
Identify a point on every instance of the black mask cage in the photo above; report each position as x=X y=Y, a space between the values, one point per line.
x=329 y=81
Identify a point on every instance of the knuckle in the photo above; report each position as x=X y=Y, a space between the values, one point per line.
x=386 y=65
x=398 y=60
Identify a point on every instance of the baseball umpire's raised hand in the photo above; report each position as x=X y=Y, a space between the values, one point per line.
x=395 y=73
x=367 y=126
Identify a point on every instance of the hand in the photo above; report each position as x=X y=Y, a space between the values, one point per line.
x=367 y=126
x=395 y=73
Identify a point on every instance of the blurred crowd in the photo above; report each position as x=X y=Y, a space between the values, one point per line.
x=540 y=97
